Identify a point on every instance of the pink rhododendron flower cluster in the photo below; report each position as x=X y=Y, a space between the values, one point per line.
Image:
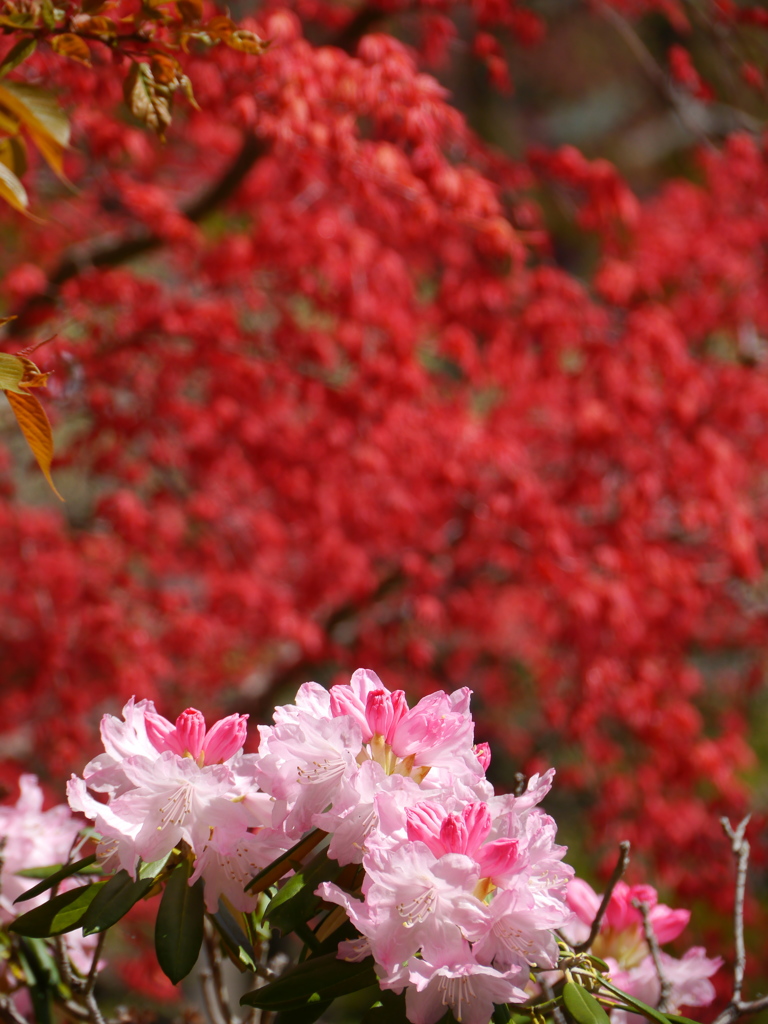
x=34 y=838
x=463 y=891
x=462 y=888
x=170 y=783
x=621 y=943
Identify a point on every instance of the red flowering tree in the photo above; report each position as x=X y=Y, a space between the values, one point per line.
x=338 y=382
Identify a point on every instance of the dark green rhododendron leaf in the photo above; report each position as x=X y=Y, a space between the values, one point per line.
x=237 y=943
x=53 y=877
x=306 y=1014
x=114 y=901
x=61 y=914
x=583 y=1006
x=324 y=977
x=179 y=925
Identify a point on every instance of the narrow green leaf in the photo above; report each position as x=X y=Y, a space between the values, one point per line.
x=291 y=859
x=324 y=977
x=582 y=1005
x=500 y=1014
x=58 y=875
x=179 y=925
x=18 y=53
x=677 y=1019
x=114 y=901
x=61 y=914
x=153 y=868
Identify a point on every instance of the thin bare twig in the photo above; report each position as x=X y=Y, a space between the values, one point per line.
x=654 y=72
x=218 y=987
x=210 y=997
x=665 y=985
x=738 y=1007
x=90 y=981
x=618 y=871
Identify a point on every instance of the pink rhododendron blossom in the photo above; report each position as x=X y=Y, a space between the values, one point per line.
x=444 y=875
x=179 y=783
x=313 y=759
x=189 y=738
x=621 y=943
x=34 y=838
x=453 y=981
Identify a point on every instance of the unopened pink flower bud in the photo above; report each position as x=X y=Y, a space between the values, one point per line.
x=190 y=732
x=225 y=738
x=378 y=712
x=498 y=857
x=399 y=708
x=483 y=754
x=160 y=732
x=453 y=834
x=423 y=825
x=477 y=819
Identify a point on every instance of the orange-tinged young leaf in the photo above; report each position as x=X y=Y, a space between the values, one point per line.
x=13 y=153
x=165 y=70
x=31 y=417
x=11 y=189
x=72 y=46
x=41 y=115
x=17 y=373
x=12 y=371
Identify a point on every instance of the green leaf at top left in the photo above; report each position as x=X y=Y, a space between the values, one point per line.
x=61 y=914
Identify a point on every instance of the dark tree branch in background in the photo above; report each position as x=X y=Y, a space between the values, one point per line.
x=665 y=985
x=112 y=252
x=682 y=106
x=618 y=871
x=738 y=1007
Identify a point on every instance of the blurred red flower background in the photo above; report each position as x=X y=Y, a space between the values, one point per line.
x=370 y=363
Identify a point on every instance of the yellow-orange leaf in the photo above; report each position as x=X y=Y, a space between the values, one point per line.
x=72 y=46
x=11 y=190
x=43 y=118
x=36 y=429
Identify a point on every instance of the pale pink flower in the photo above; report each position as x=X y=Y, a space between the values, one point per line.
x=178 y=783
x=34 y=838
x=621 y=943
x=689 y=977
x=454 y=981
x=227 y=870
x=304 y=765
x=413 y=901
x=310 y=760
